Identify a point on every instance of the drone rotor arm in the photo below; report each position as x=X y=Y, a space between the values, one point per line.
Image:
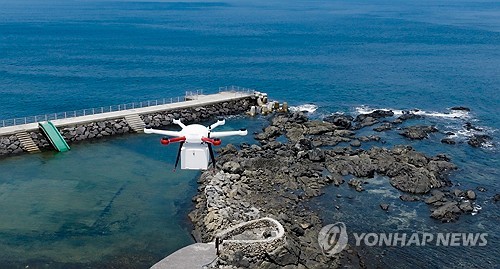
x=162 y=132
x=178 y=122
x=228 y=133
x=217 y=124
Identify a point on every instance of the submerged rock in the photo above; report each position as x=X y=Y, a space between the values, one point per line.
x=469 y=127
x=478 y=140
x=407 y=115
x=355 y=143
x=336 y=179
x=409 y=198
x=481 y=189
x=448 y=141
x=418 y=131
x=462 y=108
x=377 y=114
x=386 y=126
x=356 y=184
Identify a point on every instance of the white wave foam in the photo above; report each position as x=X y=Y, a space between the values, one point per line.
x=310 y=108
x=368 y=110
x=476 y=209
x=454 y=114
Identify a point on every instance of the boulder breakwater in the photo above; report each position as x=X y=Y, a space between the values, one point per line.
x=74 y=131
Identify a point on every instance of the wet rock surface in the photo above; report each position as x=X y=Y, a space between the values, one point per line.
x=448 y=141
x=460 y=108
x=478 y=140
x=386 y=126
x=276 y=180
x=340 y=121
x=418 y=131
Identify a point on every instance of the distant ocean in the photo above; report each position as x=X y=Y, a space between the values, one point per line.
x=322 y=56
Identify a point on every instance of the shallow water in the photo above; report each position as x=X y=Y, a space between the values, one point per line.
x=99 y=201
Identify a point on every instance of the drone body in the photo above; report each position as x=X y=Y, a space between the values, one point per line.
x=195 y=149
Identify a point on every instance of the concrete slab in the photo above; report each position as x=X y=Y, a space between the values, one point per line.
x=191 y=257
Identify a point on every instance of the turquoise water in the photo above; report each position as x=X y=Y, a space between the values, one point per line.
x=99 y=201
x=106 y=199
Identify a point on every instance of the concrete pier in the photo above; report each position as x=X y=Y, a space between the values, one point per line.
x=28 y=137
x=199 y=100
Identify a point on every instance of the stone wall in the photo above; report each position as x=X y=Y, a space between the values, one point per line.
x=10 y=145
x=40 y=139
x=95 y=130
x=259 y=238
x=196 y=114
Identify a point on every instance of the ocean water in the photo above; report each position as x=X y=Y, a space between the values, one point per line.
x=107 y=199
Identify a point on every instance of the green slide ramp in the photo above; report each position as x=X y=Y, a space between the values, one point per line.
x=54 y=136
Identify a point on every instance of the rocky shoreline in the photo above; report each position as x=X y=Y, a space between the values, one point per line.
x=275 y=179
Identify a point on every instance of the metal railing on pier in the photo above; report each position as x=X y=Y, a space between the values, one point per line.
x=237 y=89
x=190 y=95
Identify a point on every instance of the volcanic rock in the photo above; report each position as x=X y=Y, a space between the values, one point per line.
x=409 y=198
x=418 y=131
x=468 y=126
x=269 y=132
x=481 y=189
x=383 y=127
x=478 y=140
x=447 y=212
x=436 y=197
x=471 y=195
x=466 y=206
x=462 y=108
x=357 y=184
x=355 y=143
x=340 y=121
x=377 y=114
x=448 y=141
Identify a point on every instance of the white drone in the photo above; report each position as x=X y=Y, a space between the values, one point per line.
x=195 y=149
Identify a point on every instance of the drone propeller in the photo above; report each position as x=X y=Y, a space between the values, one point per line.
x=178 y=154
